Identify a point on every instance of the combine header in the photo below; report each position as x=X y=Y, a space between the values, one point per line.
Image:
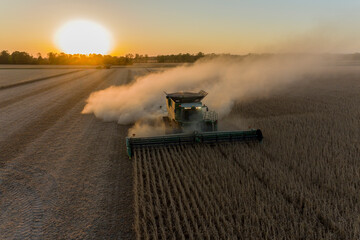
x=190 y=122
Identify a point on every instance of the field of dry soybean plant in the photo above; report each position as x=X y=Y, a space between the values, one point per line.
x=301 y=182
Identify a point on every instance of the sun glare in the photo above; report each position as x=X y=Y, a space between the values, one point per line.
x=84 y=37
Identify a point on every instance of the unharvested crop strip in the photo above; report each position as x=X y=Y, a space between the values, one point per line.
x=150 y=192
x=177 y=194
x=324 y=220
x=234 y=176
x=137 y=191
x=160 y=171
x=206 y=185
x=202 y=189
x=276 y=190
x=215 y=187
x=190 y=191
x=188 y=168
x=155 y=187
x=183 y=199
x=175 y=213
x=141 y=197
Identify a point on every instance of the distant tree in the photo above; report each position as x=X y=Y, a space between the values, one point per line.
x=4 y=57
x=52 y=58
x=129 y=55
x=179 y=58
x=129 y=59
x=39 y=58
x=200 y=55
x=21 y=58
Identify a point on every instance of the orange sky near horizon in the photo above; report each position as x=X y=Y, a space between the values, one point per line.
x=167 y=27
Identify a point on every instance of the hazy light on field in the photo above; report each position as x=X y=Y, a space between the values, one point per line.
x=228 y=79
x=83 y=36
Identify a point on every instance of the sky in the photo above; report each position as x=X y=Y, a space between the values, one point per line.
x=172 y=27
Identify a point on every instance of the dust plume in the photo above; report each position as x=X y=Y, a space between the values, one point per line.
x=147 y=127
x=227 y=79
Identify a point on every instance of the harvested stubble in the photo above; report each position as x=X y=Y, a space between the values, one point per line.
x=302 y=182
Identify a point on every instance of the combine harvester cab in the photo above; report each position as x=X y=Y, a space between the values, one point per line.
x=190 y=122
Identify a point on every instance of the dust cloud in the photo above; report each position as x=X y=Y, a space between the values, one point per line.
x=227 y=79
x=147 y=127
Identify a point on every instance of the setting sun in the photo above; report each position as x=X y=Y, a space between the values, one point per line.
x=84 y=37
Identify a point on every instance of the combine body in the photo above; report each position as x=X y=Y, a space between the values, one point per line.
x=187 y=114
x=190 y=122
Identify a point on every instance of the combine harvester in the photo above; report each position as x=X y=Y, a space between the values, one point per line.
x=190 y=122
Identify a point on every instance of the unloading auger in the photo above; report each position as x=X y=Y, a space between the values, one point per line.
x=190 y=122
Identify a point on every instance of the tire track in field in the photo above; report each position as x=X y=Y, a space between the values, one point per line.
x=29 y=219
x=17 y=183
x=18 y=141
x=36 y=92
x=36 y=80
x=119 y=210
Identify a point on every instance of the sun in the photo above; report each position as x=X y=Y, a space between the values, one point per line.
x=84 y=37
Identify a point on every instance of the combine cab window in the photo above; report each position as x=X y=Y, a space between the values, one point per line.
x=186 y=115
x=169 y=102
x=192 y=115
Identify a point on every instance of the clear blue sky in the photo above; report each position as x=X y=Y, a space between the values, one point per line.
x=161 y=27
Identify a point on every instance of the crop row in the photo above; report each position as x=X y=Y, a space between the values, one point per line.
x=301 y=182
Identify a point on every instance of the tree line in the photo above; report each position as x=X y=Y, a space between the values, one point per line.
x=179 y=58
x=18 y=57
x=51 y=58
